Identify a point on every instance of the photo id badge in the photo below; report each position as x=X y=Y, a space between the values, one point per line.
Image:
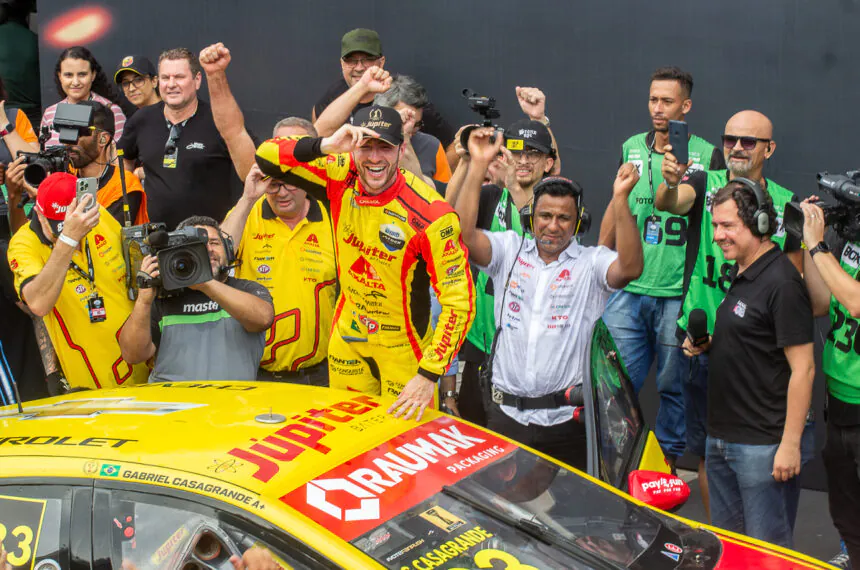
x=169 y=161
x=652 y=230
x=96 y=308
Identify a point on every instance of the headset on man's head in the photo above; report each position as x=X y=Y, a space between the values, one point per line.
x=583 y=217
x=760 y=216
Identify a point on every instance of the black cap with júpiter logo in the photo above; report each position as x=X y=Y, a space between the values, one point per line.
x=384 y=121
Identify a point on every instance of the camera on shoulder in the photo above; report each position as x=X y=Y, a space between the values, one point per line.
x=183 y=258
x=843 y=216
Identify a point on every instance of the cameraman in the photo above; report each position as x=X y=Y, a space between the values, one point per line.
x=91 y=156
x=833 y=287
x=69 y=269
x=210 y=331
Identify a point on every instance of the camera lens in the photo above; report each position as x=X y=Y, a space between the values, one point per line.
x=183 y=266
x=36 y=172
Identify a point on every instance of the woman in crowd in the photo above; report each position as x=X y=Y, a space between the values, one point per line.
x=79 y=77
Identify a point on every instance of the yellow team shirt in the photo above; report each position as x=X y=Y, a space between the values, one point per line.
x=298 y=268
x=89 y=352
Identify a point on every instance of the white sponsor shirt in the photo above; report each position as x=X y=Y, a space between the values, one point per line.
x=547 y=320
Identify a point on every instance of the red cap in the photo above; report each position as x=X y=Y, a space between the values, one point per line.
x=55 y=194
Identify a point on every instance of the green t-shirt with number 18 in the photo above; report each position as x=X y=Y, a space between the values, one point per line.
x=663 y=250
x=841 y=359
x=712 y=273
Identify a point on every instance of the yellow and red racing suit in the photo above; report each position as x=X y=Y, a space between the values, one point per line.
x=390 y=248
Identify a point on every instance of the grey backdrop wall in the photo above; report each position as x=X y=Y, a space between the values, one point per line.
x=794 y=60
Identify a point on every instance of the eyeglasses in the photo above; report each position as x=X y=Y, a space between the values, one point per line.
x=530 y=155
x=276 y=188
x=747 y=143
x=137 y=81
x=354 y=61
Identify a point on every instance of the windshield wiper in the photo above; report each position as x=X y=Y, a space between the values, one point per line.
x=532 y=528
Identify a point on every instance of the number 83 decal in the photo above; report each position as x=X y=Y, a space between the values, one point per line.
x=20 y=520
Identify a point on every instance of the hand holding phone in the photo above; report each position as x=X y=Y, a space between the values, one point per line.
x=679 y=137
x=87 y=186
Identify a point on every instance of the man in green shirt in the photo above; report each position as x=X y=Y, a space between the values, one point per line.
x=834 y=288
x=642 y=317
x=747 y=144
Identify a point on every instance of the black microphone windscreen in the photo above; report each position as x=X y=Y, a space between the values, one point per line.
x=697 y=325
x=158 y=239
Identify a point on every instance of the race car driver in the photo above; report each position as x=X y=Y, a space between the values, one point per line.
x=394 y=236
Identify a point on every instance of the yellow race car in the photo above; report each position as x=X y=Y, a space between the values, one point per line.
x=184 y=475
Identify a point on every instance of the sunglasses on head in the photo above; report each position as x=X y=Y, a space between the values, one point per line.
x=747 y=143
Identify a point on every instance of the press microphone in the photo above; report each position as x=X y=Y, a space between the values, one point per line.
x=697 y=327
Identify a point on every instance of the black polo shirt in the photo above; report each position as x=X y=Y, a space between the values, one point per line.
x=766 y=309
x=203 y=182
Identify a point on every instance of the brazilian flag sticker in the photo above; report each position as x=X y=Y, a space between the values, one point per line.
x=109 y=470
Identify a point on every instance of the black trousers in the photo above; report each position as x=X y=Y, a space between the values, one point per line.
x=565 y=442
x=471 y=402
x=316 y=375
x=842 y=463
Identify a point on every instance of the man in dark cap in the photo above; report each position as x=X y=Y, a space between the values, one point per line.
x=364 y=75
x=396 y=236
x=138 y=79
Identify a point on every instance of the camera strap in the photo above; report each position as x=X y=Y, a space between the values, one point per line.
x=90 y=275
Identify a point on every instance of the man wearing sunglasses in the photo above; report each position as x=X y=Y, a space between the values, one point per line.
x=747 y=144
x=361 y=52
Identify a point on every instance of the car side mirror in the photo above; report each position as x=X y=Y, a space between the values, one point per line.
x=659 y=490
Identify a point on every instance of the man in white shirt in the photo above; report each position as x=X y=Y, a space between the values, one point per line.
x=549 y=293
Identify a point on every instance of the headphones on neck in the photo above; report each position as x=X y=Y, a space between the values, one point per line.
x=527 y=213
x=760 y=216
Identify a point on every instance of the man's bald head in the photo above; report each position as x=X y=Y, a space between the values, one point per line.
x=750 y=123
x=747 y=143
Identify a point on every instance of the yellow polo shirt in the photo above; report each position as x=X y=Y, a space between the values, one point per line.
x=298 y=268
x=88 y=352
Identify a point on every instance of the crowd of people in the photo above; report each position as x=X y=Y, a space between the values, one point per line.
x=375 y=243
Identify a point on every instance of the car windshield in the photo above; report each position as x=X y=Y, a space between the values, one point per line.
x=524 y=511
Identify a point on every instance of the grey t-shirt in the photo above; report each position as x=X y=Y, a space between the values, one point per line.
x=198 y=340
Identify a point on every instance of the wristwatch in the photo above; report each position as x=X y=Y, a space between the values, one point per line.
x=451 y=394
x=545 y=120
x=821 y=247
x=7 y=129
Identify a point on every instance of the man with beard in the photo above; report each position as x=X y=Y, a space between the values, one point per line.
x=395 y=238
x=91 y=158
x=186 y=163
x=747 y=143
x=549 y=293
x=642 y=317
x=210 y=331
x=529 y=154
